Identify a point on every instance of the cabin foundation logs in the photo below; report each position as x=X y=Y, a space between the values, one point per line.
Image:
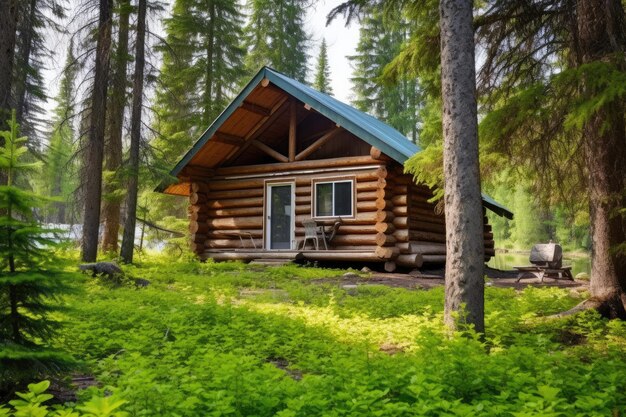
x=393 y=221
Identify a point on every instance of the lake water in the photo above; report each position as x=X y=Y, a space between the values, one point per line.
x=506 y=261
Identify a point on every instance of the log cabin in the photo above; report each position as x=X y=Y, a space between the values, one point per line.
x=282 y=154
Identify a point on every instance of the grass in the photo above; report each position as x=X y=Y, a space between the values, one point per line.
x=229 y=339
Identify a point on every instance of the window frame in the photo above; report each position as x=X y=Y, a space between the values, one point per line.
x=333 y=181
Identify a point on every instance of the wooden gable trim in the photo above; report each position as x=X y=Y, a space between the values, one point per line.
x=258 y=129
x=317 y=144
x=255 y=108
x=271 y=152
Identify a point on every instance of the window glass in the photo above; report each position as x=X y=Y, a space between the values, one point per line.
x=324 y=196
x=343 y=198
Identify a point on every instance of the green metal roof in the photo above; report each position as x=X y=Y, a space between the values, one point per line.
x=366 y=127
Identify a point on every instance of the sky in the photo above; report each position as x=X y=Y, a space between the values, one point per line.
x=341 y=42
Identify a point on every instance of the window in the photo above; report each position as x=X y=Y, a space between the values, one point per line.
x=333 y=199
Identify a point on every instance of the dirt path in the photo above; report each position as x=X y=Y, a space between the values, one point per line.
x=434 y=278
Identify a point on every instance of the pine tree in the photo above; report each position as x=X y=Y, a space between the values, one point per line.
x=396 y=102
x=58 y=176
x=28 y=285
x=37 y=18
x=322 y=76
x=112 y=196
x=92 y=167
x=276 y=37
x=9 y=14
x=128 y=241
x=201 y=71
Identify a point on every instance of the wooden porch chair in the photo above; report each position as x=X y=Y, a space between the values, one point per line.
x=547 y=262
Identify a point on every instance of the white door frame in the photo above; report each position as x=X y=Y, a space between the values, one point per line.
x=268 y=209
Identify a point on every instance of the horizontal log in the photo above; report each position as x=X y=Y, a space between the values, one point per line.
x=233 y=234
x=229 y=194
x=401 y=222
x=329 y=255
x=235 y=202
x=384 y=216
x=226 y=223
x=196 y=248
x=345 y=229
x=390 y=266
x=382 y=204
x=367 y=196
x=195 y=227
x=400 y=211
x=198 y=216
x=364 y=248
x=434 y=259
x=387 y=252
x=399 y=200
x=235 y=212
x=195 y=208
x=413 y=260
x=197 y=198
x=197 y=237
x=345 y=240
x=383 y=239
x=384 y=193
x=231 y=243
x=290 y=166
x=368 y=217
x=424 y=248
x=385 y=227
x=378 y=155
x=427 y=227
x=200 y=187
x=425 y=236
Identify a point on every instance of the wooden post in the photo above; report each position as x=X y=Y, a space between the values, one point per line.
x=292 y=130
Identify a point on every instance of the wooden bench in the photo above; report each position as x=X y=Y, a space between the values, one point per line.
x=564 y=272
x=547 y=262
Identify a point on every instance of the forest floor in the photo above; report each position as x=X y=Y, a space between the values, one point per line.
x=227 y=339
x=432 y=279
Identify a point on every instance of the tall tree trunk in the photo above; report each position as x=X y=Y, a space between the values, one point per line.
x=24 y=59
x=113 y=146
x=602 y=36
x=128 y=240
x=92 y=169
x=464 y=292
x=208 y=83
x=8 y=27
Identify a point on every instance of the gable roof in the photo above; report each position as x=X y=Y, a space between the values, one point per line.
x=366 y=127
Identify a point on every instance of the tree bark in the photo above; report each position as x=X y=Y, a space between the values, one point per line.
x=92 y=169
x=8 y=27
x=24 y=59
x=113 y=158
x=464 y=292
x=602 y=37
x=128 y=240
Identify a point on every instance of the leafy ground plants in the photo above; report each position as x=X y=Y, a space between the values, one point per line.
x=235 y=340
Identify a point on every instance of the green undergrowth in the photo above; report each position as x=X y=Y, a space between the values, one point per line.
x=229 y=339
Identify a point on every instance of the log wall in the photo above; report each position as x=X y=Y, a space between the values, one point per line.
x=393 y=219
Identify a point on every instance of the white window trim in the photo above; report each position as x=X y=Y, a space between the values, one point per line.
x=334 y=181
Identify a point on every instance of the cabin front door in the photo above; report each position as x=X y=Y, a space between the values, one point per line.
x=279 y=216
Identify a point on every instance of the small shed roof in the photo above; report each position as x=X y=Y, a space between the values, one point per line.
x=368 y=128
